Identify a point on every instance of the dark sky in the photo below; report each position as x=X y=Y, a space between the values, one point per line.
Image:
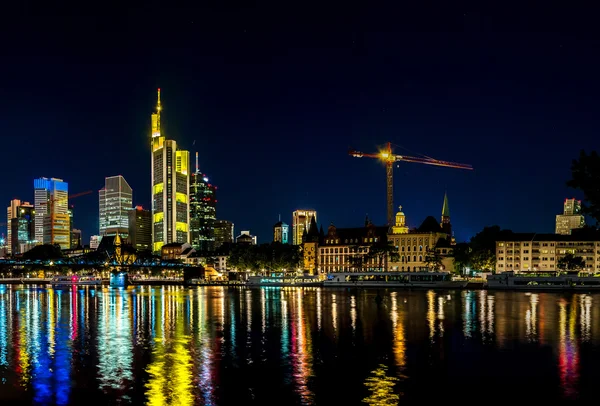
x=274 y=97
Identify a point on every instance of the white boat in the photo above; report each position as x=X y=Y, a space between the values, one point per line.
x=443 y=280
x=76 y=280
x=543 y=280
x=284 y=280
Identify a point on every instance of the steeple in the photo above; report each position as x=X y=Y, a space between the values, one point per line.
x=445 y=208
x=445 y=221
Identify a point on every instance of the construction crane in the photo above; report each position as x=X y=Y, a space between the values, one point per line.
x=390 y=158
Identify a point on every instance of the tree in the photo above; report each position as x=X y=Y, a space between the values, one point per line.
x=585 y=176
x=44 y=252
x=433 y=259
x=272 y=257
x=382 y=252
x=483 y=247
x=462 y=256
x=571 y=263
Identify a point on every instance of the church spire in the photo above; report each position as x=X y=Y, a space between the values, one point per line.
x=445 y=207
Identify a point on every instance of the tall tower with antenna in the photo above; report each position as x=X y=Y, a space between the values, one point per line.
x=170 y=187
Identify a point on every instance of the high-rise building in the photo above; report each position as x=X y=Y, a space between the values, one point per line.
x=571 y=218
x=170 y=188
x=95 y=241
x=203 y=209
x=75 y=238
x=300 y=222
x=21 y=229
x=140 y=228
x=116 y=202
x=52 y=223
x=224 y=232
x=11 y=213
x=281 y=232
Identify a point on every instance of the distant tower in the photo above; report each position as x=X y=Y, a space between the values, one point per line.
x=445 y=223
x=300 y=223
x=281 y=232
x=310 y=247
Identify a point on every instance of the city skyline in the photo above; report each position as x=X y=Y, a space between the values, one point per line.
x=278 y=132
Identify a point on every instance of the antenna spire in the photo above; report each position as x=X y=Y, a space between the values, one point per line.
x=197 y=166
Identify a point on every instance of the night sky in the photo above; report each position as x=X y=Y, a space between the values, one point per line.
x=273 y=98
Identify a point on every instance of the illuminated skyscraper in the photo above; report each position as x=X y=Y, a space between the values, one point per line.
x=170 y=188
x=21 y=229
x=116 y=202
x=52 y=223
x=300 y=222
x=203 y=208
x=11 y=213
x=281 y=232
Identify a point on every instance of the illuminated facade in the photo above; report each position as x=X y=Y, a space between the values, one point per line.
x=11 y=213
x=281 y=232
x=414 y=246
x=203 y=209
x=21 y=229
x=140 y=229
x=533 y=251
x=300 y=223
x=95 y=242
x=246 y=238
x=170 y=188
x=224 y=232
x=116 y=200
x=571 y=218
x=52 y=223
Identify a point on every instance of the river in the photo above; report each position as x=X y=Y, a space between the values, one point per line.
x=171 y=345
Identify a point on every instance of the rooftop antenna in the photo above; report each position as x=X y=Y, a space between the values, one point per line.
x=197 y=166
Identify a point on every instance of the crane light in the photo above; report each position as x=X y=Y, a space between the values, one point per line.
x=385 y=155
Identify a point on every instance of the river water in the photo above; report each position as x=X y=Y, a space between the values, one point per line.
x=218 y=345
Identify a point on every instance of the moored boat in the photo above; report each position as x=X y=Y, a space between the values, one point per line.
x=284 y=280
x=76 y=280
x=543 y=280
x=442 y=280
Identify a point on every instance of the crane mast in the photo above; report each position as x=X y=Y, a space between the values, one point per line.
x=389 y=158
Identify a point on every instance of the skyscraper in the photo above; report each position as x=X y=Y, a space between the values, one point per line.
x=571 y=217
x=170 y=188
x=116 y=202
x=140 y=228
x=300 y=222
x=224 y=232
x=52 y=223
x=11 y=213
x=203 y=209
x=281 y=232
x=21 y=229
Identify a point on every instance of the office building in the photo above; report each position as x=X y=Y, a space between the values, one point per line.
x=11 y=213
x=224 y=232
x=116 y=201
x=203 y=209
x=52 y=223
x=300 y=222
x=281 y=232
x=246 y=238
x=542 y=252
x=75 y=239
x=140 y=229
x=571 y=218
x=170 y=188
x=416 y=247
x=21 y=229
x=95 y=242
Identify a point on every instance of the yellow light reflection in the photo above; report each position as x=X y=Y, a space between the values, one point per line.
x=381 y=388
x=431 y=313
x=353 y=313
x=398 y=327
x=531 y=318
x=585 y=310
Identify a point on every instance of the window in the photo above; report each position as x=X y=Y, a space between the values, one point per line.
x=414 y=258
x=420 y=248
x=420 y=258
x=525 y=251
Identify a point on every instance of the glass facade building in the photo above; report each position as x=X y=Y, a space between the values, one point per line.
x=203 y=211
x=52 y=224
x=116 y=201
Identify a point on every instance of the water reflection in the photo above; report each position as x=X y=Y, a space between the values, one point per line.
x=213 y=345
